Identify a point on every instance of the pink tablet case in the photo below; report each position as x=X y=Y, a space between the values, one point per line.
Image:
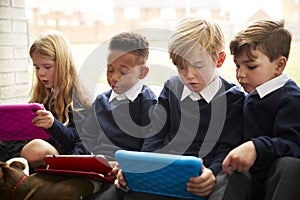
x=94 y=167
x=16 y=122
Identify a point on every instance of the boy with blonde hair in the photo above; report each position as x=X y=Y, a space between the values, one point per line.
x=271 y=148
x=203 y=111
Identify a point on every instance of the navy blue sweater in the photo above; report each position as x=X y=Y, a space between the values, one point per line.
x=273 y=124
x=118 y=124
x=65 y=138
x=196 y=128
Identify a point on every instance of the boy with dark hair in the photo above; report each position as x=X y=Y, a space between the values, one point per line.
x=119 y=117
x=271 y=150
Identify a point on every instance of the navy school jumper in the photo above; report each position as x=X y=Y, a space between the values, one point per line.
x=273 y=124
x=101 y=133
x=189 y=123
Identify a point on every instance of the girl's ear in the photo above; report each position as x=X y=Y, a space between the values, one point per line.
x=221 y=59
x=144 y=72
x=280 y=65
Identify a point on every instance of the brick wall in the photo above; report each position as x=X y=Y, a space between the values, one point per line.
x=14 y=74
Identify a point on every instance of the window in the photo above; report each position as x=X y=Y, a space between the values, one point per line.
x=75 y=22
x=63 y=22
x=51 y=22
x=132 y=13
x=44 y=10
x=168 y=13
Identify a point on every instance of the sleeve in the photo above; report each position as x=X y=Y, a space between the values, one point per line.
x=232 y=131
x=159 y=124
x=65 y=135
x=88 y=131
x=148 y=102
x=286 y=132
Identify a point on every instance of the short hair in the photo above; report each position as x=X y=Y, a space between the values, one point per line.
x=268 y=36
x=191 y=32
x=131 y=42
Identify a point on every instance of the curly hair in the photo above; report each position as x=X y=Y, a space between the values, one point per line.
x=131 y=42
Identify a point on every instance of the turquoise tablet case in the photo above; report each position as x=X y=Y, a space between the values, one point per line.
x=157 y=173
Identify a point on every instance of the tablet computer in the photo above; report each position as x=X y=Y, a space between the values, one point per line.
x=16 y=122
x=94 y=167
x=157 y=173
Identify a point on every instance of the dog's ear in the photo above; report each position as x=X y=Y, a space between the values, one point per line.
x=17 y=165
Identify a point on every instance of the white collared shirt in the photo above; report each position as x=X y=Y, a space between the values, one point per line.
x=207 y=93
x=271 y=85
x=130 y=94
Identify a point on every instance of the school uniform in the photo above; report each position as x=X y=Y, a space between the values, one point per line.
x=64 y=139
x=118 y=121
x=207 y=124
x=271 y=121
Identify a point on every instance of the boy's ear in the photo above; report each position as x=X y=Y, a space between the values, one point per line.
x=280 y=65
x=221 y=59
x=144 y=72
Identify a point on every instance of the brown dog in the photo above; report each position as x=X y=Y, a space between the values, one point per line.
x=15 y=185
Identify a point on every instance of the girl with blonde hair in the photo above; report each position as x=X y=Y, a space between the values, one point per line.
x=57 y=87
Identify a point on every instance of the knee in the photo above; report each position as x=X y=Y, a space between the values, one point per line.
x=36 y=150
x=288 y=166
x=236 y=177
x=287 y=162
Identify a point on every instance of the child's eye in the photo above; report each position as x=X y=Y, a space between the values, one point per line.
x=124 y=71
x=109 y=69
x=197 y=66
x=251 y=67
x=36 y=67
x=180 y=67
x=237 y=66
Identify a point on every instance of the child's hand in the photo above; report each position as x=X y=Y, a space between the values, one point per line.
x=240 y=159
x=115 y=169
x=43 y=118
x=120 y=181
x=202 y=185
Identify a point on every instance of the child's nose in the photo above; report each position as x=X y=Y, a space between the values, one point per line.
x=241 y=73
x=115 y=77
x=42 y=72
x=190 y=72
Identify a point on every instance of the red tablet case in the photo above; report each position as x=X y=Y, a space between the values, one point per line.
x=94 y=167
x=16 y=122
